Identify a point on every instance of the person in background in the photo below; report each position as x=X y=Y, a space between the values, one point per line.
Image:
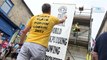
x=75 y=29
x=15 y=51
x=1 y=34
x=4 y=46
x=8 y=50
x=39 y=28
x=100 y=49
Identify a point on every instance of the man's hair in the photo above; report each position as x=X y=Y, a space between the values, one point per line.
x=46 y=8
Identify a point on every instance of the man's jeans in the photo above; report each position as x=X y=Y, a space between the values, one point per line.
x=32 y=51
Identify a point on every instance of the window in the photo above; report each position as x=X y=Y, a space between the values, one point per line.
x=22 y=26
x=7 y=6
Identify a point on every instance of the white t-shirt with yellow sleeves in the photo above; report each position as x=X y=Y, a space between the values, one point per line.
x=41 y=27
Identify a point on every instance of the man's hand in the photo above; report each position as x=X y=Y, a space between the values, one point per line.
x=63 y=19
x=20 y=44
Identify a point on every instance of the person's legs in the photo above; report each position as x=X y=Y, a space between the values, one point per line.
x=5 y=55
x=32 y=51
x=37 y=51
x=24 y=53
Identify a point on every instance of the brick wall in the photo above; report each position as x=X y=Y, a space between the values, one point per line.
x=19 y=13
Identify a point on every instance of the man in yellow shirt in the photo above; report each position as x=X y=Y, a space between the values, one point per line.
x=39 y=28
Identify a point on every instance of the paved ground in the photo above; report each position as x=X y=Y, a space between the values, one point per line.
x=76 y=52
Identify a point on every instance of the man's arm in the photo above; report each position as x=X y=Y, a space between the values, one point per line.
x=23 y=34
x=63 y=19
